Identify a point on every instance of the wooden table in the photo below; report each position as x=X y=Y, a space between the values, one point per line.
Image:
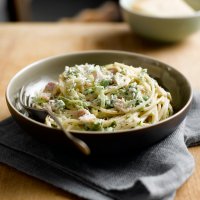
x=21 y=44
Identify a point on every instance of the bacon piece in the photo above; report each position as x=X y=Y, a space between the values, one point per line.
x=51 y=87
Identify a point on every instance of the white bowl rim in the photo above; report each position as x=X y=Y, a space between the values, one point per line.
x=98 y=52
x=122 y=4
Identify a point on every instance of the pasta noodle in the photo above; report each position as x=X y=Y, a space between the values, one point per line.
x=105 y=98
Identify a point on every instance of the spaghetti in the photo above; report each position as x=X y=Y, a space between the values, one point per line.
x=105 y=98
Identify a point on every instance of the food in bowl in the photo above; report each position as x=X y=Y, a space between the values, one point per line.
x=169 y=8
x=152 y=24
x=101 y=142
x=105 y=98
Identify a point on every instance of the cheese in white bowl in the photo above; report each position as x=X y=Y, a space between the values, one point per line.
x=163 y=8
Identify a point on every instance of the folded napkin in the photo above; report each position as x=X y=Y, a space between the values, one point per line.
x=154 y=173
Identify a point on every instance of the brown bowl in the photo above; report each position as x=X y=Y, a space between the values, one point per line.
x=37 y=74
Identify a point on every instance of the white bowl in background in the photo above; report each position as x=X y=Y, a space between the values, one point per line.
x=169 y=29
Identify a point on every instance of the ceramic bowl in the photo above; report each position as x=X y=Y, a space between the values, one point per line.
x=37 y=74
x=167 y=29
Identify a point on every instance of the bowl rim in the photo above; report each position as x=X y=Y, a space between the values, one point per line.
x=79 y=53
x=123 y=6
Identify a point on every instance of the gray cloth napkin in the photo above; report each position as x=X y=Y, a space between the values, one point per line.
x=155 y=173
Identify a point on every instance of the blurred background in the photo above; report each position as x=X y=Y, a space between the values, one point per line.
x=59 y=10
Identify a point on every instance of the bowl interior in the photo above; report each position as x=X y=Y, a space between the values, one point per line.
x=128 y=4
x=195 y=4
x=39 y=73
